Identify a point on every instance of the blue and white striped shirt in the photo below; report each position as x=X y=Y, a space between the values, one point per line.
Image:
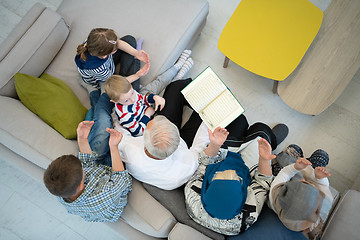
x=94 y=69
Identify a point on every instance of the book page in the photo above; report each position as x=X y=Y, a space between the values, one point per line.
x=222 y=111
x=203 y=89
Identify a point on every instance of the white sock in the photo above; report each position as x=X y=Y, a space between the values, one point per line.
x=180 y=62
x=184 y=69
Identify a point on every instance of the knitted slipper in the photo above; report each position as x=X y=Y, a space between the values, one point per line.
x=319 y=158
x=294 y=150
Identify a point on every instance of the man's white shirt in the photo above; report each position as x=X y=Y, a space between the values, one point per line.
x=169 y=173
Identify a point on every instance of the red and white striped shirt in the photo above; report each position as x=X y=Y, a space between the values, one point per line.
x=132 y=117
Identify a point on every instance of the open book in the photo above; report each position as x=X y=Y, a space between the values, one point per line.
x=214 y=102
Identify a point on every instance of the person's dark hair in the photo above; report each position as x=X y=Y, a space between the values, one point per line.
x=63 y=176
x=100 y=42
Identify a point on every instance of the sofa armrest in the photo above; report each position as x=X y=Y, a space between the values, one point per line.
x=24 y=25
x=344 y=220
x=356 y=184
x=182 y=231
x=144 y=213
x=31 y=46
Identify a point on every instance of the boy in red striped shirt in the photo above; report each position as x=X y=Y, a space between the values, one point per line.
x=133 y=109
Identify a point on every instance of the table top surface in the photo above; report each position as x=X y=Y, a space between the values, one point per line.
x=330 y=63
x=270 y=38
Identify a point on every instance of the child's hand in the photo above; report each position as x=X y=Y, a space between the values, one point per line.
x=159 y=102
x=149 y=112
x=143 y=56
x=115 y=137
x=218 y=137
x=265 y=150
x=321 y=172
x=83 y=129
x=143 y=71
x=302 y=163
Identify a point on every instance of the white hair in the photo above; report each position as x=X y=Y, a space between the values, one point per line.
x=162 y=138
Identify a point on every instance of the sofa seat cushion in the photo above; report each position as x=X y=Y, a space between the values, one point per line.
x=268 y=226
x=26 y=134
x=182 y=231
x=174 y=201
x=52 y=100
x=144 y=213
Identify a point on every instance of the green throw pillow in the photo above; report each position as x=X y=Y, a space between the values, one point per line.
x=52 y=100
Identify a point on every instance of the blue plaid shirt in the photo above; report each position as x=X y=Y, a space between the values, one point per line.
x=105 y=194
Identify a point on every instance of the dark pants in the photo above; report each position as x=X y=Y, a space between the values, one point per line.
x=236 y=138
x=173 y=110
x=129 y=65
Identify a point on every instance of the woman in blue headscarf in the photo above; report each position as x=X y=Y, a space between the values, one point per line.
x=222 y=195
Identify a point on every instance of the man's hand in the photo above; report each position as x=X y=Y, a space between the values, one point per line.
x=159 y=102
x=265 y=150
x=142 y=56
x=149 y=112
x=83 y=129
x=115 y=137
x=321 y=172
x=302 y=163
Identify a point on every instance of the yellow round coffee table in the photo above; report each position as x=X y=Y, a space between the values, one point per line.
x=270 y=37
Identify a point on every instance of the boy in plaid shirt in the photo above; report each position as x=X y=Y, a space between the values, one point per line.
x=96 y=192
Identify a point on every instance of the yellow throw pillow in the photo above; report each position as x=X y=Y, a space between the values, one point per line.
x=52 y=100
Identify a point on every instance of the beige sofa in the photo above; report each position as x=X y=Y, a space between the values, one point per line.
x=46 y=41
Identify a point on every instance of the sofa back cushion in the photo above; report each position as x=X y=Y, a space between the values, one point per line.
x=167 y=27
x=31 y=46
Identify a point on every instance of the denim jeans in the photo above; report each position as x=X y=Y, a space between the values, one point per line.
x=98 y=136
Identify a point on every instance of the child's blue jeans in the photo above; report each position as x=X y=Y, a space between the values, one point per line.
x=98 y=136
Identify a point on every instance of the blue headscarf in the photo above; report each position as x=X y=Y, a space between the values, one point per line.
x=224 y=199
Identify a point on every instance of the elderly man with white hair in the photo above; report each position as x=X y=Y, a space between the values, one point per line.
x=160 y=157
